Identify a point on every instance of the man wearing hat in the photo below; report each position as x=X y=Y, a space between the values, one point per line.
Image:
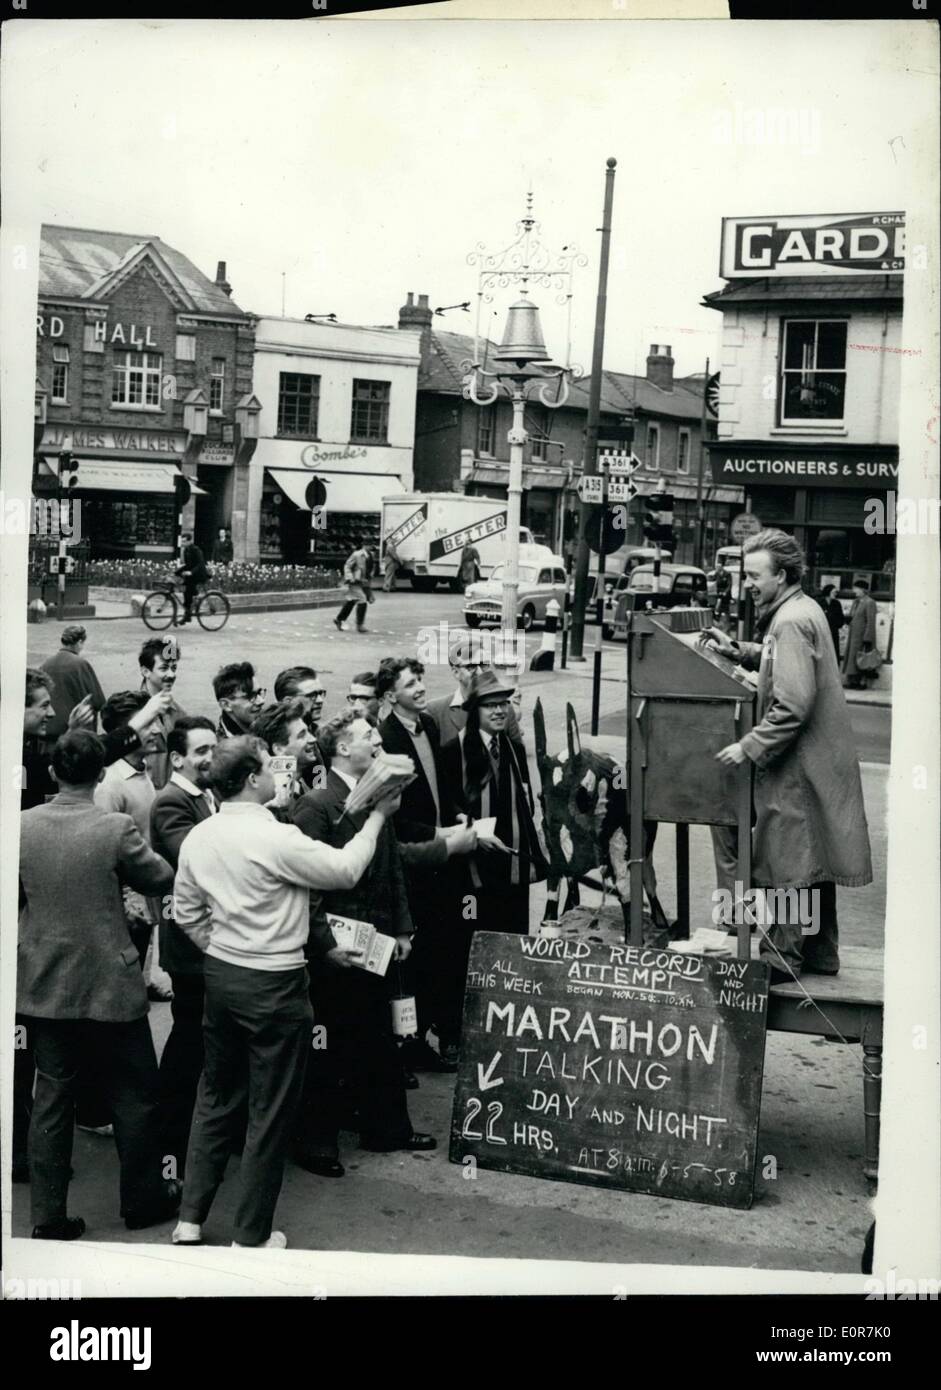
x=74 y=678
x=485 y=762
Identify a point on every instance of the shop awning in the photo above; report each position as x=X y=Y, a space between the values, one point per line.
x=346 y=492
x=113 y=475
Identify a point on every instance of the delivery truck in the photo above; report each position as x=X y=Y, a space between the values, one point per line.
x=430 y=529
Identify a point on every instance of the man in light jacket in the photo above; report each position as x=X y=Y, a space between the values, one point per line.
x=242 y=895
x=80 y=990
x=810 y=820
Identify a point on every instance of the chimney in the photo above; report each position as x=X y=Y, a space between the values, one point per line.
x=221 y=281
x=660 y=366
x=419 y=316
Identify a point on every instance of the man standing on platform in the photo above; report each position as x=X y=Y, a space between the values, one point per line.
x=810 y=820
x=242 y=896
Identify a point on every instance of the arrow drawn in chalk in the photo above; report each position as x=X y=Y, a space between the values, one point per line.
x=485 y=1081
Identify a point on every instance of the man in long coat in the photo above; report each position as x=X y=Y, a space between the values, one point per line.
x=810 y=820
x=861 y=635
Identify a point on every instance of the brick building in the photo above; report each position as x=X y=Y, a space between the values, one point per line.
x=809 y=397
x=143 y=370
x=463 y=447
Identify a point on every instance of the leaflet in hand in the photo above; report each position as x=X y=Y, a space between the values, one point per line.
x=351 y=935
x=388 y=772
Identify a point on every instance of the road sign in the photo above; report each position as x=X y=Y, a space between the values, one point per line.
x=619 y=461
x=607 y=539
x=619 y=489
x=744 y=525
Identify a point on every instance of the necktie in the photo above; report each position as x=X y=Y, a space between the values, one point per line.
x=210 y=802
x=495 y=748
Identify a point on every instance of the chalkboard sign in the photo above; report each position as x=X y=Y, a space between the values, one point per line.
x=616 y=1066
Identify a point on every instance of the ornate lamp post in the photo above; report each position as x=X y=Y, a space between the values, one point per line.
x=521 y=366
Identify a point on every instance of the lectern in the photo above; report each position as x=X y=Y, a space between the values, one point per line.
x=685 y=703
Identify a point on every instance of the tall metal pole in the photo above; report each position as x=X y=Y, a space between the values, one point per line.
x=700 y=480
x=514 y=492
x=591 y=434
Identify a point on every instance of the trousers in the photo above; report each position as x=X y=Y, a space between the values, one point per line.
x=811 y=944
x=256 y=1037
x=347 y=609
x=181 y=1065
x=353 y=1066
x=126 y=1067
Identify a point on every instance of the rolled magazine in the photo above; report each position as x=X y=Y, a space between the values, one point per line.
x=388 y=772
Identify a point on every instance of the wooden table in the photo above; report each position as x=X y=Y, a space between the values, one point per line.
x=847 y=1008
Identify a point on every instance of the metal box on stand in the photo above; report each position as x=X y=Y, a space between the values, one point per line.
x=685 y=703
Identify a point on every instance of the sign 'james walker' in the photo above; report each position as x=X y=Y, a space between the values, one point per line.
x=818 y=244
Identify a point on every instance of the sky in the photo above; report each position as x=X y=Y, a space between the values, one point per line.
x=363 y=160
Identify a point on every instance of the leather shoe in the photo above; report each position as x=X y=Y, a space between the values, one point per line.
x=415 y=1143
x=162 y=1210
x=65 y=1228
x=321 y=1166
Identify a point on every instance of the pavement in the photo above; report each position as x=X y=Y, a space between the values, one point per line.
x=811 y=1210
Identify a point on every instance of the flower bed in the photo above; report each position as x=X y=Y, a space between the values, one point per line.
x=240 y=577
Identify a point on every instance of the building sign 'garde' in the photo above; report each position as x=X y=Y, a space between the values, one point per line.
x=813 y=244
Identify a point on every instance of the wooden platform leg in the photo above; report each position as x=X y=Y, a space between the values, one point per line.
x=637 y=763
x=682 y=881
x=872 y=1100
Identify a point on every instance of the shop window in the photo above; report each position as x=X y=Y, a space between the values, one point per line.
x=298 y=404
x=683 y=451
x=486 y=429
x=269 y=531
x=653 y=447
x=60 y=374
x=217 y=386
x=813 y=371
x=370 y=419
x=135 y=380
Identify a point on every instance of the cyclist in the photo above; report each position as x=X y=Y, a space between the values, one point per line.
x=194 y=573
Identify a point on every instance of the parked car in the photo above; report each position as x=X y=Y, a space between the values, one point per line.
x=677 y=583
x=538 y=583
x=614 y=586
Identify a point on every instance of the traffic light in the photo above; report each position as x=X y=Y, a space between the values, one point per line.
x=658 y=518
x=68 y=470
x=181 y=486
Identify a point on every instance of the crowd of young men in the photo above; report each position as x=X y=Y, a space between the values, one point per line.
x=228 y=835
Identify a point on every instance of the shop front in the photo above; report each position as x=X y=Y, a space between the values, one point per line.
x=291 y=532
x=823 y=493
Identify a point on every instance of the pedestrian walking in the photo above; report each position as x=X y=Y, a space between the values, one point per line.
x=242 y=896
x=392 y=563
x=81 y=991
x=222 y=550
x=185 y=801
x=73 y=679
x=360 y=1066
x=860 y=637
x=810 y=821
x=358 y=593
x=836 y=618
x=469 y=565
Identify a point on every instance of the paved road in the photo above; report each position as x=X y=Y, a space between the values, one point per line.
x=811 y=1214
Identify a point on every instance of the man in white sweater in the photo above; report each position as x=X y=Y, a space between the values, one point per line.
x=241 y=894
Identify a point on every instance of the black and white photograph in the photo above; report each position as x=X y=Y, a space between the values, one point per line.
x=473 y=574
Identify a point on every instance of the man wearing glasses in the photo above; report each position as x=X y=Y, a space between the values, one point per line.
x=465 y=658
x=361 y=696
x=239 y=700
x=301 y=683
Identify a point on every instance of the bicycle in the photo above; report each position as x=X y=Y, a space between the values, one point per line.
x=161 y=608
